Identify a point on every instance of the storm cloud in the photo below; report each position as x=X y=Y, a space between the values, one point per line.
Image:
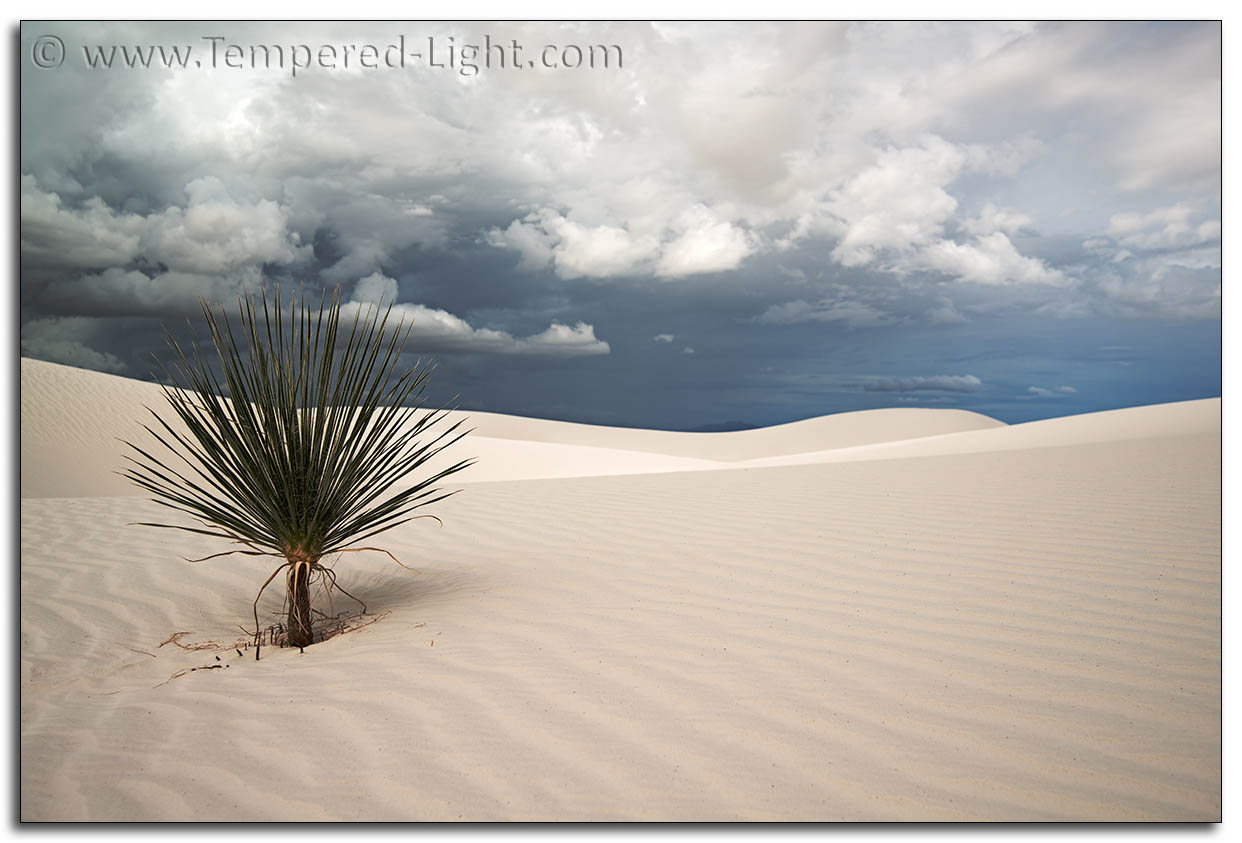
x=783 y=199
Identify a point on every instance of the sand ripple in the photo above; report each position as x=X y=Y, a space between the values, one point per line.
x=1013 y=634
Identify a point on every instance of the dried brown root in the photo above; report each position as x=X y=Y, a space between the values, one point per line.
x=184 y=671
x=327 y=627
x=330 y=627
x=344 y=626
x=315 y=574
x=195 y=646
x=202 y=645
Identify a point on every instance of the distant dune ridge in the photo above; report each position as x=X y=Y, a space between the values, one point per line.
x=904 y=614
x=74 y=451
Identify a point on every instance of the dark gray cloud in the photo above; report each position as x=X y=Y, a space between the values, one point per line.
x=924 y=383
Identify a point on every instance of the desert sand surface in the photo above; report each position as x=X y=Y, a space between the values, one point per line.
x=894 y=615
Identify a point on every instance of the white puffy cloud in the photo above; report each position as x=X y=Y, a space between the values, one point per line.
x=1044 y=392
x=894 y=214
x=1166 y=260
x=896 y=205
x=706 y=245
x=1162 y=228
x=990 y=259
x=435 y=329
x=529 y=238
x=573 y=250
x=214 y=233
x=695 y=243
x=664 y=337
x=58 y=238
x=582 y=251
x=559 y=340
x=1161 y=286
x=992 y=219
x=212 y=247
x=375 y=289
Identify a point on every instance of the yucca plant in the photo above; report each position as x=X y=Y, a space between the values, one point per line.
x=307 y=441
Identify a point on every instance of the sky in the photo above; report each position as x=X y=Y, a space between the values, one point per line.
x=729 y=224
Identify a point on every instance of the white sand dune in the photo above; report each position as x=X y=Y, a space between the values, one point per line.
x=1162 y=420
x=73 y=422
x=839 y=431
x=954 y=620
